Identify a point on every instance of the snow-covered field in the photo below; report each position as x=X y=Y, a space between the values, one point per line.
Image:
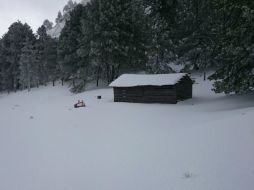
x=206 y=143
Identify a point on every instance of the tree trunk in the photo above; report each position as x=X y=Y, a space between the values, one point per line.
x=117 y=71
x=15 y=84
x=98 y=76
x=84 y=82
x=108 y=73
x=112 y=73
x=73 y=82
x=29 y=86
x=97 y=82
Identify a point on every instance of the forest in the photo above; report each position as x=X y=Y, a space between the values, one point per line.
x=105 y=38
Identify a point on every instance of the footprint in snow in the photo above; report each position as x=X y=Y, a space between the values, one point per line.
x=15 y=106
x=189 y=175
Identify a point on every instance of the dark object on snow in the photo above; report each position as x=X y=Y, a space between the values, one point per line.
x=168 y=88
x=98 y=97
x=80 y=104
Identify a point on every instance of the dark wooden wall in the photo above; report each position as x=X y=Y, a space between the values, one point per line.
x=146 y=94
x=184 y=88
x=169 y=94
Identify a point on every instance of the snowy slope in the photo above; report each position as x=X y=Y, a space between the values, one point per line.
x=55 y=32
x=205 y=143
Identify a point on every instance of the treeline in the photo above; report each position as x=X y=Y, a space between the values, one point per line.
x=102 y=39
x=27 y=60
x=105 y=38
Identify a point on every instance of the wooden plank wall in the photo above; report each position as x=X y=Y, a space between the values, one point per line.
x=155 y=94
x=146 y=94
x=184 y=88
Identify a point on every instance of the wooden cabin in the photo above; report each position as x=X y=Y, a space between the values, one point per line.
x=152 y=88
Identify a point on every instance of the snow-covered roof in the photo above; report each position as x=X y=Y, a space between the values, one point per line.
x=132 y=80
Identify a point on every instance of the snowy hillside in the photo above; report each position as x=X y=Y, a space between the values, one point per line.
x=206 y=143
x=55 y=32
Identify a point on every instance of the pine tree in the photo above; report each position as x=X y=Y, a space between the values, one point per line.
x=26 y=65
x=119 y=37
x=12 y=44
x=46 y=57
x=48 y=25
x=59 y=18
x=53 y=69
x=68 y=46
x=67 y=9
x=162 y=19
x=6 y=83
x=2 y=62
x=91 y=49
x=195 y=34
x=235 y=50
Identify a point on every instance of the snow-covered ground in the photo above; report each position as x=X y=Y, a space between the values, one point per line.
x=206 y=143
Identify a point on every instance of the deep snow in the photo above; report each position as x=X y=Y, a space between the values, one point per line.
x=206 y=143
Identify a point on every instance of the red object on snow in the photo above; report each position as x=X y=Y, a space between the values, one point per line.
x=80 y=104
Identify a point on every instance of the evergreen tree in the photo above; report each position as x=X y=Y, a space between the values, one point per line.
x=67 y=9
x=59 y=18
x=4 y=65
x=12 y=44
x=68 y=46
x=48 y=25
x=27 y=64
x=119 y=37
x=53 y=68
x=104 y=38
x=162 y=20
x=2 y=62
x=196 y=34
x=46 y=57
x=235 y=49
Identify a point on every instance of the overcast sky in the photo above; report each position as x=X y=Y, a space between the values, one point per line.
x=33 y=12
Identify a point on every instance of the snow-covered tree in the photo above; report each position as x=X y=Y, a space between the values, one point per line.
x=119 y=35
x=27 y=64
x=235 y=47
x=59 y=18
x=2 y=63
x=68 y=8
x=12 y=44
x=47 y=56
x=162 y=19
x=48 y=25
x=68 y=45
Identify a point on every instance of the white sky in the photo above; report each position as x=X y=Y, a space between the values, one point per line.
x=33 y=12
